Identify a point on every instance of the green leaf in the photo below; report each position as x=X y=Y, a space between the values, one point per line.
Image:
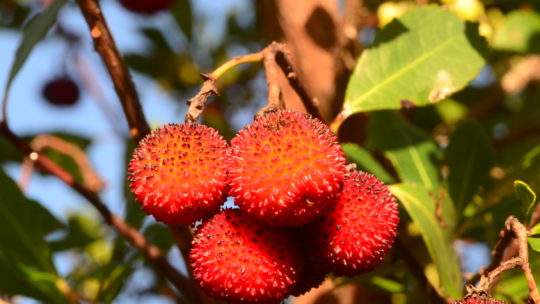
x=17 y=279
x=423 y=208
x=413 y=153
x=363 y=159
x=159 y=235
x=520 y=32
x=23 y=226
x=535 y=231
x=33 y=32
x=419 y=59
x=469 y=156
x=534 y=243
x=81 y=231
x=183 y=16
x=527 y=198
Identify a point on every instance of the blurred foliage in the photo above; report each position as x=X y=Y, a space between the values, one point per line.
x=460 y=151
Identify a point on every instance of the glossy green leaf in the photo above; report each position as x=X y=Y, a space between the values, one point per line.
x=469 y=156
x=534 y=243
x=527 y=198
x=17 y=279
x=23 y=226
x=535 y=231
x=33 y=32
x=419 y=59
x=413 y=153
x=422 y=207
x=366 y=162
x=520 y=32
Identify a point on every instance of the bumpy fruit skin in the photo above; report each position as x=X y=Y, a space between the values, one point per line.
x=286 y=168
x=238 y=260
x=479 y=299
x=178 y=173
x=359 y=230
x=147 y=7
x=61 y=91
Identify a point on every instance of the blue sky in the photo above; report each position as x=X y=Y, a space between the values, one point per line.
x=30 y=114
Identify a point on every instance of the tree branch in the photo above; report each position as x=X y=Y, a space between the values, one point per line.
x=489 y=277
x=273 y=56
x=132 y=235
x=106 y=47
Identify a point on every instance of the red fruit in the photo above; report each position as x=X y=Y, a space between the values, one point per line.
x=479 y=299
x=314 y=272
x=61 y=91
x=286 y=168
x=147 y=7
x=238 y=260
x=355 y=235
x=178 y=173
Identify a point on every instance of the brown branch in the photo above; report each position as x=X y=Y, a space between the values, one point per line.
x=106 y=47
x=489 y=277
x=273 y=56
x=91 y=179
x=285 y=62
x=132 y=235
x=196 y=104
x=125 y=89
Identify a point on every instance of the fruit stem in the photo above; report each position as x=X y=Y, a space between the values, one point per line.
x=255 y=57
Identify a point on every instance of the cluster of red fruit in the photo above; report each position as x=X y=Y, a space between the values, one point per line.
x=301 y=213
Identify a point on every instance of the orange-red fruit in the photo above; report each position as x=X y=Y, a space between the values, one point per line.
x=178 y=173
x=237 y=260
x=479 y=299
x=147 y=7
x=360 y=229
x=62 y=91
x=286 y=168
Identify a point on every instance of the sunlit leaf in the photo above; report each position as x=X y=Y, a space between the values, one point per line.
x=366 y=162
x=534 y=243
x=419 y=59
x=423 y=209
x=469 y=156
x=413 y=153
x=520 y=32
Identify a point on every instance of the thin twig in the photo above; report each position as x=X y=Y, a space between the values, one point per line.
x=275 y=53
x=106 y=47
x=285 y=62
x=91 y=179
x=125 y=89
x=275 y=100
x=489 y=277
x=132 y=235
x=196 y=104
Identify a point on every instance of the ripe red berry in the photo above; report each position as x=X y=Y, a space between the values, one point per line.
x=178 y=173
x=147 y=7
x=286 y=168
x=359 y=230
x=479 y=299
x=238 y=260
x=61 y=91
